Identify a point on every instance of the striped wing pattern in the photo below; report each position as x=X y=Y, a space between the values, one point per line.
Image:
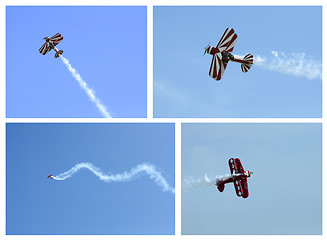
x=227 y=41
x=56 y=39
x=217 y=67
x=45 y=48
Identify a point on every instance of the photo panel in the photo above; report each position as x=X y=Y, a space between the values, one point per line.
x=251 y=179
x=91 y=62
x=90 y=178
x=237 y=61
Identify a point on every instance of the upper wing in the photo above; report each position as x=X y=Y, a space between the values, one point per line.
x=241 y=188
x=217 y=67
x=227 y=41
x=56 y=39
x=235 y=165
x=45 y=48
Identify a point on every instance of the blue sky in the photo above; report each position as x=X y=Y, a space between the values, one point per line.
x=83 y=204
x=285 y=189
x=183 y=87
x=106 y=45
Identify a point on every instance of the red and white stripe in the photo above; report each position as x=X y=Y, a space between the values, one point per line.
x=217 y=67
x=227 y=41
x=45 y=48
x=56 y=39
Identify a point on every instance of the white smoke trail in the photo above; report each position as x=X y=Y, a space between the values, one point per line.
x=120 y=177
x=87 y=90
x=192 y=183
x=295 y=64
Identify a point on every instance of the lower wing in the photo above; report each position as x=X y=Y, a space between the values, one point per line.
x=241 y=188
x=217 y=67
x=45 y=48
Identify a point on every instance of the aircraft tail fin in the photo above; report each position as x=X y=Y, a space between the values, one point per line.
x=248 y=61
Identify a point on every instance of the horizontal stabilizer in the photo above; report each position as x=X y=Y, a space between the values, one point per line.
x=248 y=61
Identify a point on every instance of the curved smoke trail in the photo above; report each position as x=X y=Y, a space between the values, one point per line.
x=87 y=90
x=191 y=183
x=150 y=170
x=296 y=64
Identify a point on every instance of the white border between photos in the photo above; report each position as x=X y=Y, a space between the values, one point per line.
x=149 y=119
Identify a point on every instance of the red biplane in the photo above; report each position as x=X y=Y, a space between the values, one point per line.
x=222 y=54
x=50 y=43
x=50 y=176
x=238 y=177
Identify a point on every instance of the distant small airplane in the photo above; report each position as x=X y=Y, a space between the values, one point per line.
x=50 y=176
x=238 y=177
x=222 y=54
x=50 y=43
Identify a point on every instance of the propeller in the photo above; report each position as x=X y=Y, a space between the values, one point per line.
x=205 y=49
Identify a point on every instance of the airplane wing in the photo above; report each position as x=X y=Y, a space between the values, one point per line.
x=227 y=41
x=45 y=48
x=241 y=188
x=56 y=39
x=235 y=165
x=217 y=67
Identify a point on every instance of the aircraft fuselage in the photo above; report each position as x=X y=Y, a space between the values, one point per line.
x=235 y=177
x=232 y=178
x=52 y=46
x=226 y=56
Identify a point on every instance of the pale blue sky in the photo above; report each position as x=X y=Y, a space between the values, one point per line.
x=106 y=45
x=183 y=87
x=83 y=204
x=285 y=191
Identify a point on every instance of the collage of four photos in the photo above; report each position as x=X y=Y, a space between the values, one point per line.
x=224 y=138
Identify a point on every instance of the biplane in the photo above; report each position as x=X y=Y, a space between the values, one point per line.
x=50 y=43
x=50 y=176
x=222 y=54
x=238 y=177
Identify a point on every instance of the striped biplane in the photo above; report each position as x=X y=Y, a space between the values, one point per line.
x=222 y=54
x=50 y=43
